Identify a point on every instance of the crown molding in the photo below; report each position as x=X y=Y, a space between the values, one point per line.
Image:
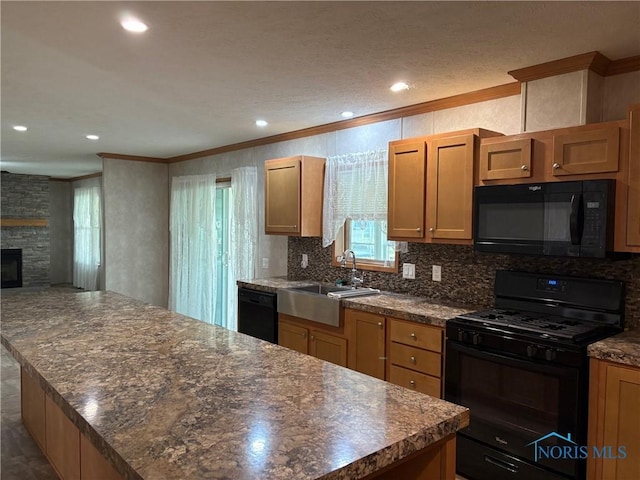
x=623 y=65
x=133 y=158
x=594 y=61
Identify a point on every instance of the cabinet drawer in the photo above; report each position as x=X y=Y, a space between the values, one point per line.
x=416 y=381
x=416 y=359
x=415 y=335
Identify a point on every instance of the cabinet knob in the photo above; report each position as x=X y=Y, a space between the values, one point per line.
x=312 y=337
x=432 y=229
x=524 y=168
x=556 y=166
x=418 y=229
x=380 y=324
x=304 y=335
x=412 y=383
x=412 y=359
x=413 y=335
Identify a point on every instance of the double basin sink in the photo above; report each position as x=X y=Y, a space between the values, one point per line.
x=318 y=303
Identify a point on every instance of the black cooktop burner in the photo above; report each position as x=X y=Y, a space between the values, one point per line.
x=534 y=322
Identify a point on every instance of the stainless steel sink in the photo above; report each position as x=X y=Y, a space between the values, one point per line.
x=318 y=303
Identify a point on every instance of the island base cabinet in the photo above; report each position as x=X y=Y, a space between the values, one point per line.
x=70 y=453
x=435 y=462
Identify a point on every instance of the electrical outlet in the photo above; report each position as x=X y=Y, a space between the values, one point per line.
x=265 y=263
x=409 y=271
x=305 y=261
x=436 y=273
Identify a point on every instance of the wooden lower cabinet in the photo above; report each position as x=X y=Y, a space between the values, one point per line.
x=71 y=454
x=309 y=338
x=614 y=420
x=367 y=342
x=328 y=347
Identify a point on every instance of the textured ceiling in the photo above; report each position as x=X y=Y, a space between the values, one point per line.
x=205 y=71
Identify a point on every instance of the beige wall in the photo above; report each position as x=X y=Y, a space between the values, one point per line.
x=136 y=218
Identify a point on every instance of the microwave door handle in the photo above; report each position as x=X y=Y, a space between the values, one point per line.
x=574 y=219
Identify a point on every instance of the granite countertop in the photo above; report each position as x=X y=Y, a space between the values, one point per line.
x=408 y=307
x=166 y=396
x=622 y=348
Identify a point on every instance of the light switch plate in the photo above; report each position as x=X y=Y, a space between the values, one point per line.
x=436 y=273
x=409 y=271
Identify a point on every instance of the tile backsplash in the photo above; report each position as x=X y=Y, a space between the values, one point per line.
x=467 y=276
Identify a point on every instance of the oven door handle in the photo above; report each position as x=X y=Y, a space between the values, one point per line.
x=525 y=364
x=575 y=219
x=499 y=463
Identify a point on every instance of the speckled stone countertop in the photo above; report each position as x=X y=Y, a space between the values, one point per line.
x=408 y=307
x=622 y=348
x=166 y=397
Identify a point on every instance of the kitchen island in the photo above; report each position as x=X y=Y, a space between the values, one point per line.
x=162 y=396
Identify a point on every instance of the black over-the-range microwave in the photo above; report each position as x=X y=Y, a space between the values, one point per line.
x=574 y=219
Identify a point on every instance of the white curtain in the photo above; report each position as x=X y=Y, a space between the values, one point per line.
x=244 y=234
x=355 y=187
x=192 y=281
x=87 y=221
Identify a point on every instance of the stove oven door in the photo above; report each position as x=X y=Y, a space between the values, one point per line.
x=515 y=402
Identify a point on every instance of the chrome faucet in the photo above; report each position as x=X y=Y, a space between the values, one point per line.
x=355 y=280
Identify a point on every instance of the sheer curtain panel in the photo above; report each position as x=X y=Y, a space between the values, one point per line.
x=87 y=228
x=192 y=281
x=244 y=235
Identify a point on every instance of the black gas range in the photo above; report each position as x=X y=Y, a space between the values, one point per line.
x=522 y=369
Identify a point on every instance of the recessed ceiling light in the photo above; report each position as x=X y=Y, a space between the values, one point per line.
x=347 y=114
x=133 y=25
x=20 y=128
x=398 y=87
x=93 y=137
x=261 y=123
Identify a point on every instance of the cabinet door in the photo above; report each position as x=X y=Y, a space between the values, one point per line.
x=93 y=465
x=450 y=188
x=505 y=160
x=633 y=206
x=63 y=442
x=591 y=151
x=407 y=170
x=32 y=406
x=328 y=347
x=293 y=337
x=622 y=422
x=367 y=334
x=282 y=196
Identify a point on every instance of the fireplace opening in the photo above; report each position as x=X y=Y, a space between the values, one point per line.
x=11 y=271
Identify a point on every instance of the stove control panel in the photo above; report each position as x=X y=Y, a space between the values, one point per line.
x=548 y=284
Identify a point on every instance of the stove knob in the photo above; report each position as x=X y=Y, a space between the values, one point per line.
x=531 y=350
x=461 y=335
x=476 y=339
x=550 y=354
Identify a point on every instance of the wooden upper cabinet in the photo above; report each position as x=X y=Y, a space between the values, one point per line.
x=450 y=188
x=293 y=196
x=366 y=342
x=589 y=151
x=505 y=160
x=407 y=176
x=633 y=200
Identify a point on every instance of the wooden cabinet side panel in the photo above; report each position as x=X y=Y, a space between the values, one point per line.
x=282 y=196
x=633 y=201
x=407 y=177
x=93 y=465
x=622 y=422
x=32 y=407
x=311 y=196
x=328 y=347
x=450 y=188
x=366 y=342
x=293 y=337
x=63 y=442
x=592 y=151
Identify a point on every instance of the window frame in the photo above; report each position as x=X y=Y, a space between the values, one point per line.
x=338 y=247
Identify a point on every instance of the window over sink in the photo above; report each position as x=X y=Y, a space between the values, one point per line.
x=368 y=240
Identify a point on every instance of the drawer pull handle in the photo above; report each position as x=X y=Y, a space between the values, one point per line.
x=412 y=359
x=380 y=324
x=556 y=166
x=413 y=335
x=524 y=168
x=412 y=383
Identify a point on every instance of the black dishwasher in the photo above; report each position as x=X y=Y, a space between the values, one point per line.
x=258 y=314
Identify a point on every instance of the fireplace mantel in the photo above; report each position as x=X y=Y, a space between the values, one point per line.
x=24 y=222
